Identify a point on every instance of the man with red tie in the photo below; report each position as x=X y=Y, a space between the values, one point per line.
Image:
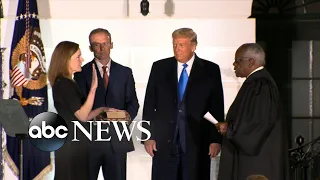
x=116 y=89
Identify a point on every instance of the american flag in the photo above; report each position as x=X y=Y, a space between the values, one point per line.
x=32 y=94
x=17 y=76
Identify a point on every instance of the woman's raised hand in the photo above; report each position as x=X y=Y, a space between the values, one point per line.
x=94 y=82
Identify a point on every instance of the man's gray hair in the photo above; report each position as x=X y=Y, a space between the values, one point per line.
x=255 y=51
x=257 y=177
x=186 y=32
x=99 y=30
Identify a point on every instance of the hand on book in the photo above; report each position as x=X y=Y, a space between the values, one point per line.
x=108 y=109
x=128 y=117
x=112 y=114
x=117 y=115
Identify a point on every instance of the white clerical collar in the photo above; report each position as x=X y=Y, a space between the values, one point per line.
x=258 y=69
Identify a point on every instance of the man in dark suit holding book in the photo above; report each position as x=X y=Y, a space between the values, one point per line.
x=116 y=89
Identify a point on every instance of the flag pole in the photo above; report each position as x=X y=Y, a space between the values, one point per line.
x=2 y=86
x=28 y=62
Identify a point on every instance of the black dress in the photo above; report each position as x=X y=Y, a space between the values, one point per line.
x=71 y=159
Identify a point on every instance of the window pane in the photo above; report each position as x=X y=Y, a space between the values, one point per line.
x=316 y=59
x=316 y=128
x=316 y=98
x=300 y=59
x=300 y=98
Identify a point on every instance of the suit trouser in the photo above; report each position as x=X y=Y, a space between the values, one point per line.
x=114 y=165
x=181 y=166
x=169 y=167
x=101 y=154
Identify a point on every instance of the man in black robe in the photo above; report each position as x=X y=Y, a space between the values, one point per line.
x=254 y=132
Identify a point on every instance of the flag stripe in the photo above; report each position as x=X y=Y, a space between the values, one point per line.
x=17 y=78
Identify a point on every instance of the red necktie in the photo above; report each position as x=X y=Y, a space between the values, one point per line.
x=105 y=76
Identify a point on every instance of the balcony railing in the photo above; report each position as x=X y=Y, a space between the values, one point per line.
x=305 y=160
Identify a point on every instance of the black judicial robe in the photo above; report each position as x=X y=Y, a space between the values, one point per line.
x=256 y=138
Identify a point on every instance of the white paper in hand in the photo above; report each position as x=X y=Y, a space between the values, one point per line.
x=210 y=118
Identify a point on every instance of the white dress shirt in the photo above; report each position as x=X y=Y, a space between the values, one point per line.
x=100 y=67
x=188 y=69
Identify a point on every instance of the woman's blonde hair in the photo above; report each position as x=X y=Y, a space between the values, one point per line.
x=59 y=64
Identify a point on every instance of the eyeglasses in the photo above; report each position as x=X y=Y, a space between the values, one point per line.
x=99 y=45
x=238 y=60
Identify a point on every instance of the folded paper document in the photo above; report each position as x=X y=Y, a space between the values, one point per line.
x=210 y=118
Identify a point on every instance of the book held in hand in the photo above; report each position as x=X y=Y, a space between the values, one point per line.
x=119 y=115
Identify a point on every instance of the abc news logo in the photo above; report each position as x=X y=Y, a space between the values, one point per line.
x=48 y=131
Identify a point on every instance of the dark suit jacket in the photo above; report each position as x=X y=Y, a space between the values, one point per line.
x=121 y=94
x=203 y=93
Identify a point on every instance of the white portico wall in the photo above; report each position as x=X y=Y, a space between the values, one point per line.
x=222 y=26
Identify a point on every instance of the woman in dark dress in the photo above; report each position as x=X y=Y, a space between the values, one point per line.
x=71 y=159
